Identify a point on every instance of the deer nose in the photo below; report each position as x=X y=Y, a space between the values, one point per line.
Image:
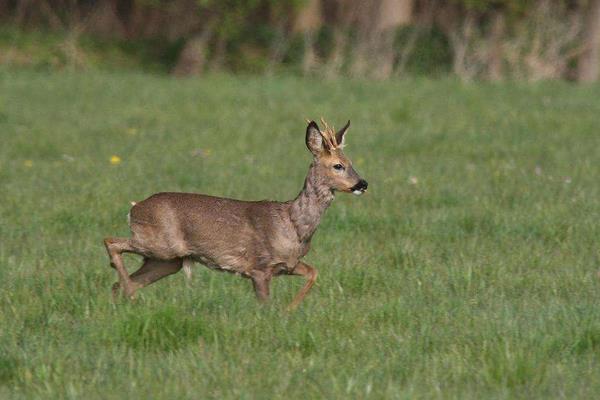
x=360 y=187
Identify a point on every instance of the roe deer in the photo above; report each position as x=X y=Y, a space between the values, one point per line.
x=255 y=239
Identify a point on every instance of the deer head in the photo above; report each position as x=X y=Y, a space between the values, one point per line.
x=334 y=169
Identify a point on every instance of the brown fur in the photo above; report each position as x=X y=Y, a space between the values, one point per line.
x=255 y=239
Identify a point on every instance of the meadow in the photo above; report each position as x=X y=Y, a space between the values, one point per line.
x=468 y=270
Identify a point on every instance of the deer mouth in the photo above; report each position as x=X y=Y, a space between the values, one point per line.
x=360 y=187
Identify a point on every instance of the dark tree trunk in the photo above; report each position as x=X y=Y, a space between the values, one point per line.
x=588 y=67
x=307 y=22
x=497 y=31
x=219 y=54
x=192 y=58
x=104 y=20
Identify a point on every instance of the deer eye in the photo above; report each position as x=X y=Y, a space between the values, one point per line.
x=338 y=167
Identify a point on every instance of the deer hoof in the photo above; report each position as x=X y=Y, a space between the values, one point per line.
x=127 y=292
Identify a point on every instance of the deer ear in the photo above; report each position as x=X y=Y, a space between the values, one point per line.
x=339 y=135
x=314 y=139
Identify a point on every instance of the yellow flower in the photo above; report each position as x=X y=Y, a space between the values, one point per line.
x=114 y=160
x=28 y=163
x=131 y=131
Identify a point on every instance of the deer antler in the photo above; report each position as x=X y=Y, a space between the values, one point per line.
x=328 y=134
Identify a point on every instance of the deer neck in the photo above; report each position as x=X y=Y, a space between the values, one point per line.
x=308 y=208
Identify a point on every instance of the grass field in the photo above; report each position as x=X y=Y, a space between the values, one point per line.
x=467 y=271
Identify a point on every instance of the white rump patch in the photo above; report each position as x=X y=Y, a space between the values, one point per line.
x=129 y=218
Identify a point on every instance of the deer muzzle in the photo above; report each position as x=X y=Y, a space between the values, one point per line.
x=360 y=187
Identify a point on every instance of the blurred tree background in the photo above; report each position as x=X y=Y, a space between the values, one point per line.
x=472 y=39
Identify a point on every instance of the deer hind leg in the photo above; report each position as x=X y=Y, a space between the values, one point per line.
x=152 y=270
x=311 y=274
x=115 y=247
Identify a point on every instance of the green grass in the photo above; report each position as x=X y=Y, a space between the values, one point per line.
x=477 y=281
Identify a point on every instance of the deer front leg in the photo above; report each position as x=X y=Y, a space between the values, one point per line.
x=261 y=281
x=311 y=274
x=115 y=247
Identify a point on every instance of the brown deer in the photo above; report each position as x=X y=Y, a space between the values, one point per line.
x=255 y=239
